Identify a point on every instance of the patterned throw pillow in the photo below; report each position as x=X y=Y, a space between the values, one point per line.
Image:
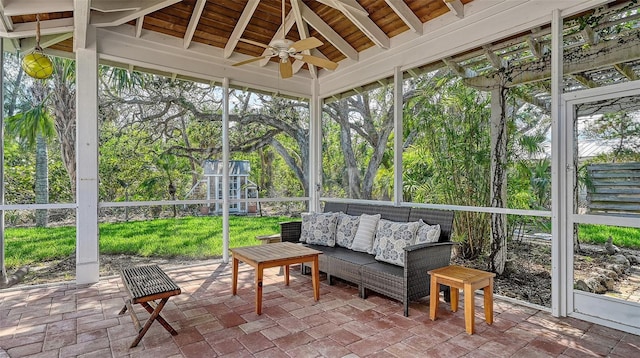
x=427 y=233
x=392 y=237
x=363 y=241
x=319 y=228
x=346 y=230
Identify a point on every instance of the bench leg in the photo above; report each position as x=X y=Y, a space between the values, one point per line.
x=154 y=314
x=159 y=318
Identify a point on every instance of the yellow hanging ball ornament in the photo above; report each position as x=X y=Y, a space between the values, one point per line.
x=37 y=65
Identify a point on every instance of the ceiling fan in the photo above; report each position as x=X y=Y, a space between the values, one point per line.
x=286 y=50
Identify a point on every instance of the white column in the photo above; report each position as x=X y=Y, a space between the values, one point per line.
x=315 y=150
x=225 y=170
x=398 y=141
x=559 y=254
x=3 y=270
x=87 y=235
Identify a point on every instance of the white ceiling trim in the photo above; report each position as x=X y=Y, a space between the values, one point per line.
x=107 y=19
x=29 y=7
x=46 y=41
x=241 y=24
x=484 y=22
x=116 y=5
x=49 y=27
x=165 y=53
x=80 y=21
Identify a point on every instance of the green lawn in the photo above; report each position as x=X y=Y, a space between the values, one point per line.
x=195 y=237
x=628 y=237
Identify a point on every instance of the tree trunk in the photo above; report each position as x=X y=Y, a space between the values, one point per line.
x=498 y=254
x=42 y=181
x=64 y=110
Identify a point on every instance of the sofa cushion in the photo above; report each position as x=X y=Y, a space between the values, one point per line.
x=391 y=239
x=363 y=241
x=319 y=228
x=427 y=233
x=346 y=229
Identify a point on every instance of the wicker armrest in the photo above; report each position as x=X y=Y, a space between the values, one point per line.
x=290 y=231
x=428 y=256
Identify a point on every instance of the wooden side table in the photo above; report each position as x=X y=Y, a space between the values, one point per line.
x=469 y=279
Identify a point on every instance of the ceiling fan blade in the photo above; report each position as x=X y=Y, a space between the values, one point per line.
x=286 y=70
x=254 y=43
x=250 y=60
x=306 y=44
x=317 y=61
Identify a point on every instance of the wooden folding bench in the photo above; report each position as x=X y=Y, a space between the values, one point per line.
x=145 y=285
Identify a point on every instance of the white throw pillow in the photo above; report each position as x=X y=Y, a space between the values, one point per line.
x=346 y=229
x=363 y=241
x=427 y=233
x=319 y=228
x=391 y=239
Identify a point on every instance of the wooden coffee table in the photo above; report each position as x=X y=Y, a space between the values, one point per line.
x=274 y=255
x=458 y=277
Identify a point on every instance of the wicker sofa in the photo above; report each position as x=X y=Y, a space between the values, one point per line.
x=404 y=284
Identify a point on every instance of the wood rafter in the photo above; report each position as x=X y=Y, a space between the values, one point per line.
x=26 y=7
x=139 y=24
x=576 y=61
x=328 y=33
x=46 y=41
x=457 y=69
x=495 y=60
x=456 y=6
x=360 y=18
x=584 y=80
x=626 y=71
x=193 y=22
x=303 y=31
x=404 y=12
x=289 y=21
x=115 y=18
x=241 y=24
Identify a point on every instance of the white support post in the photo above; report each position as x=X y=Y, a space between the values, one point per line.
x=315 y=152
x=87 y=234
x=559 y=254
x=225 y=170
x=398 y=142
x=3 y=269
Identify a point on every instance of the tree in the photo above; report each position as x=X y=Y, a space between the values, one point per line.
x=34 y=127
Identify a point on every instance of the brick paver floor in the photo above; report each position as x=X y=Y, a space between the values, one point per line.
x=65 y=320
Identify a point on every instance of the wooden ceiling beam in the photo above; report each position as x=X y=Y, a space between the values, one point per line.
x=303 y=31
x=591 y=37
x=115 y=18
x=81 y=15
x=139 y=24
x=29 y=7
x=193 y=22
x=534 y=46
x=28 y=44
x=116 y=5
x=496 y=61
x=49 y=27
x=328 y=33
x=456 y=6
x=241 y=24
x=626 y=70
x=406 y=14
x=457 y=69
x=6 y=26
x=360 y=18
x=584 y=80
x=576 y=60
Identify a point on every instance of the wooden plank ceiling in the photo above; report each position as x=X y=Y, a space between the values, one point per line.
x=346 y=27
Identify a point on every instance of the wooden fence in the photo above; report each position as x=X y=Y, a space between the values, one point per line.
x=614 y=189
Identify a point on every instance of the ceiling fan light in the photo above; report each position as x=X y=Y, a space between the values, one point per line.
x=37 y=65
